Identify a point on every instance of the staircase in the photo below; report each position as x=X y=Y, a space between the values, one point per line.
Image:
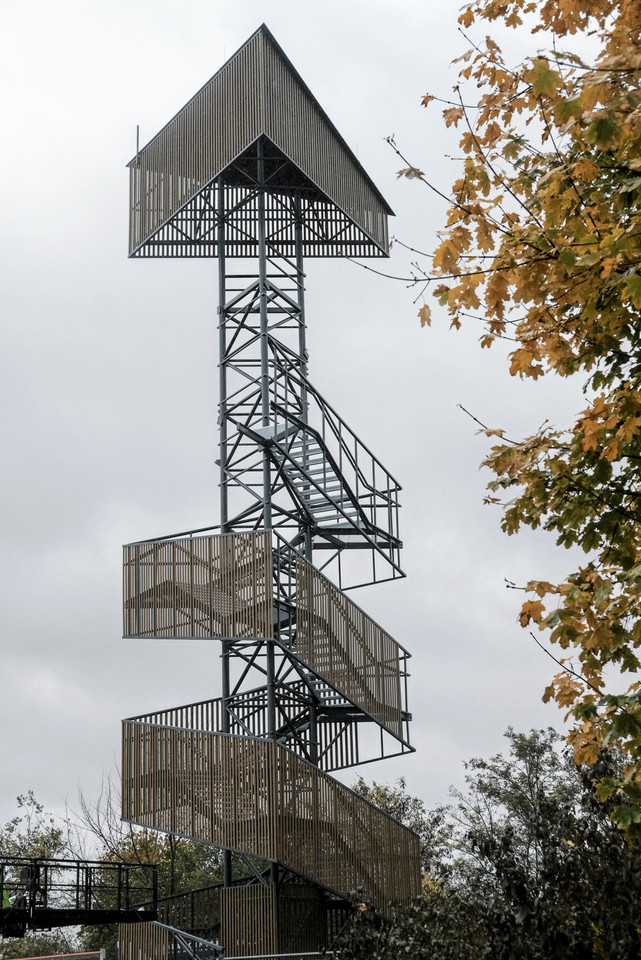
x=249 y=772
x=317 y=484
x=341 y=489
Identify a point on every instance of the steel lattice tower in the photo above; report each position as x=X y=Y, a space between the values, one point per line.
x=252 y=172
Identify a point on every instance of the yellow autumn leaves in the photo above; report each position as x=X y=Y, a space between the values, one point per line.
x=542 y=242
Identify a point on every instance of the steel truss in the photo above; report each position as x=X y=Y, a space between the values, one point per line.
x=288 y=462
x=298 y=216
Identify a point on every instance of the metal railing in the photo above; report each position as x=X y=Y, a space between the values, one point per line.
x=43 y=892
x=350 y=476
x=187 y=946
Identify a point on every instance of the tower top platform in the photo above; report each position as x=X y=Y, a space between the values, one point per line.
x=255 y=121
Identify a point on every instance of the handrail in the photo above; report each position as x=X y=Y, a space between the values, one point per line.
x=49 y=892
x=351 y=496
x=176 y=536
x=325 y=405
x=284 y=543
x=181 y=935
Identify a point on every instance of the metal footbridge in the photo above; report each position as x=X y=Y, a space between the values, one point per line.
x=39 y=893
x=253 y=173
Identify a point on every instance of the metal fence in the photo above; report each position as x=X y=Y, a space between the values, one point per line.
x=43 y=893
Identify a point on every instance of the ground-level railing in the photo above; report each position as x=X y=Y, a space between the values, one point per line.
x=285 y=919
x=153 y=941
x=158 y=941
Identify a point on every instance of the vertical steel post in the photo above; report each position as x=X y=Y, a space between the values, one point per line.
x=302 y=345
x=264 y=331
x=222 y=357
x=226 y=690
x=265 y=381
x=222 y=433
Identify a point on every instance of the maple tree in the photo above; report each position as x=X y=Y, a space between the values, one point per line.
x=543 y=240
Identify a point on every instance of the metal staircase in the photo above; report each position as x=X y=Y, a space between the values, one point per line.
x=348 y=497
x=309 y=682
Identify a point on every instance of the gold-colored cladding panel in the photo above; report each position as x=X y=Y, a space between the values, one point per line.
x=216 y=586
x=142 y=940
x=257 y=797
x=346 y=647
x=269 y=919
x=249 y=921
x=337 y=741
x=255 y=920
x=195 y=146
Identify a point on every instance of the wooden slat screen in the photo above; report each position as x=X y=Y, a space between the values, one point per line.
x=256 y=92
x=257 y=797
x=249 y=921
x=266 y=919
x=215 y=586
x=341 y=643
x=300 y=129
x=142 y=941
x=200 y=141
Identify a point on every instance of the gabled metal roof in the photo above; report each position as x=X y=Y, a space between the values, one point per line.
x=256 y=96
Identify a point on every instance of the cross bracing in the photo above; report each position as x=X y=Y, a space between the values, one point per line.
x=288 y=460
x=192 y=231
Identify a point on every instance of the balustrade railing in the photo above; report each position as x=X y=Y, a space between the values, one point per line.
x=255 y=585
x=256 y=797
x=47 y=892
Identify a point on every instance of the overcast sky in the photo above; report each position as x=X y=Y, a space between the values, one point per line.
x=108 y=384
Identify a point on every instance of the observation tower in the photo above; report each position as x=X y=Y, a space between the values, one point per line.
x=253 y=173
